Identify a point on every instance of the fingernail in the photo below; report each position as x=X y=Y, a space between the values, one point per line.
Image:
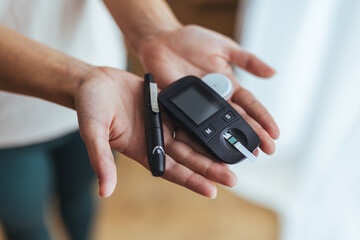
x=233 y=185
x=105 y=189
x=277 y=134
x=214 y=194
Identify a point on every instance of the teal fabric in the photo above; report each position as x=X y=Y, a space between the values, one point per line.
x=31 y=176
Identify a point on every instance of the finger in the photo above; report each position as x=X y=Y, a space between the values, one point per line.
x=101 y=158
x=210 y=169
x=164 y=78
x=181 y=175
x=185 y=138
x=256 y=152
x=249 y=62
x=257 y=111
x=267 y=145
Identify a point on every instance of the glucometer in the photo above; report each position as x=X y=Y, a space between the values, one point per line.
x=211 y=120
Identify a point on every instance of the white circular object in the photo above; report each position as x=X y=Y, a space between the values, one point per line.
x=220 y=84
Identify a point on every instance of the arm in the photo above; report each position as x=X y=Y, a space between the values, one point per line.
x=171 y=51
x=29 y=68
x=140 y=20
x=109 y=111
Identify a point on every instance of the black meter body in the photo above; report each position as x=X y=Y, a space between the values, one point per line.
x=206 y=116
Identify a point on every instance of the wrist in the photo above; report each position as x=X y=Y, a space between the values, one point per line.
x=147 y=33
x=141 y=20
x=75 y=74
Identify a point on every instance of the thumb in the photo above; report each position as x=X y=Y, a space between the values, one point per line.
x=101 y=158
x=249 y=62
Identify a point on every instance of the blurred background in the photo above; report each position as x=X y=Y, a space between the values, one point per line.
x=310 y=188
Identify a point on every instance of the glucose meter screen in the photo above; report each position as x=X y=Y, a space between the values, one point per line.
x=194 y=102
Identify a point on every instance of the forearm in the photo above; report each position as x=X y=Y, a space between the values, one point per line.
x=142 y=19
x=30 y=68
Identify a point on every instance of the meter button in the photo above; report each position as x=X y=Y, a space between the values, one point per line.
x=229 y=116
x=208 y=131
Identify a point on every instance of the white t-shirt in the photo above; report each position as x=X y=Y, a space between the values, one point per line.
x=83 y=29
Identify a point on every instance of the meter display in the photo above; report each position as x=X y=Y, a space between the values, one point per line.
x=195 y=104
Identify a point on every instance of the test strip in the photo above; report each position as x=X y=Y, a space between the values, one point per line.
x=233 y=141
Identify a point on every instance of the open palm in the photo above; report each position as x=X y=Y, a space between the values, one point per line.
x=110 y=110
x=193 y=50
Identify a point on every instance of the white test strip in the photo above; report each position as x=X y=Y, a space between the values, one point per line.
x=233 y=141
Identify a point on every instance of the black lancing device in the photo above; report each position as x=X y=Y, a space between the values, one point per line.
x=153 y=128
x=206 y=116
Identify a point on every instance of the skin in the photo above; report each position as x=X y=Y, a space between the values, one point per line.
x=170 y=51
x=109 y=102
x=212 y=53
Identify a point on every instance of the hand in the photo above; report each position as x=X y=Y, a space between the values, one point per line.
x=110 y=106
x=193 y=50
